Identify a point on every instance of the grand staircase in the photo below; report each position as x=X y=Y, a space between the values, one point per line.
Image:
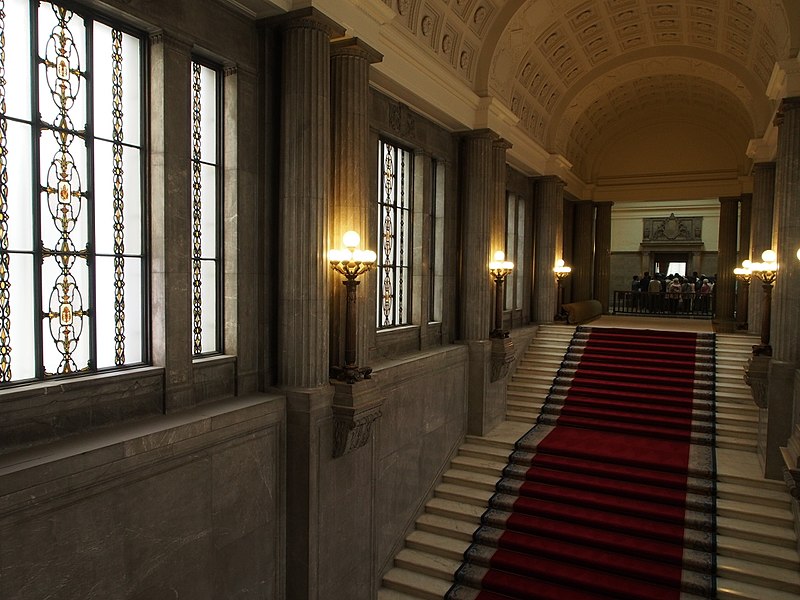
x=757 y=555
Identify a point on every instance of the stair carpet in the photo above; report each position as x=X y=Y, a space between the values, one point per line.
x=757 y=555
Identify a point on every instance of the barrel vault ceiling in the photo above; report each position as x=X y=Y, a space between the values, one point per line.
x=578 y=78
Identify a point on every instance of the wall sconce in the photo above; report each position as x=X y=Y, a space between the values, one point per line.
x=352 y=263
x=499 y=268
x=743 y=274
x=561 y=271
x=767 y=272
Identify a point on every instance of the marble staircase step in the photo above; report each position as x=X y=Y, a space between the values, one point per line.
x=748 y=494
x=769 y=576
x=427 y=564
x=479 y=465
x=725 y=407
x=417 y=585
x=446 y=526
x=746 y=511
x=757 y=532
x=459 y=493
x=483 y=451
x=730 y=443
x=440 y=545
x=728 y=589
x=455 y=510
x=756 y=551
x=769 y=484
x=469 y=479
x=390 y=594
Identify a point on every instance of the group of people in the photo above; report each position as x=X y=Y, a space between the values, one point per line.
x=672 y=293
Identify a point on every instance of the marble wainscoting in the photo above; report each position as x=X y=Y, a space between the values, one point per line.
x=181 y=506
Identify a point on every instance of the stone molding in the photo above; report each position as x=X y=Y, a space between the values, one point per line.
x=308 y=18
x=755 y=376
x=355 y=408
x=502 y=356
x=357 y=48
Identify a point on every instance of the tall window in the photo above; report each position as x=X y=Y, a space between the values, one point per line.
x=72 y=269
x=394 y=240
x=515 y=250
x=436 y=256
x=206 y=181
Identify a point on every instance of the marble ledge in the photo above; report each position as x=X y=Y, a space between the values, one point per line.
x=418 y=364
x=83 y=452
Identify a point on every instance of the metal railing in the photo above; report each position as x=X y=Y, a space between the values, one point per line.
x=664 y=304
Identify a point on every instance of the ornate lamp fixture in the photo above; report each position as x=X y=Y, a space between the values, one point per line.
x=767 y=273
x=499 y=268
x=743 y=274
x=352 y=263
x=561 y=271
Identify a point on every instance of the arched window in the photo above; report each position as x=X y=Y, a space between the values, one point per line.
x=72 y=268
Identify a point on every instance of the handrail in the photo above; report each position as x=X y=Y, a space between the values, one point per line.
x=683 y=304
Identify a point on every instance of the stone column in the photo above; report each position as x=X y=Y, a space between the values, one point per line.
x=568 y=250
x=499 y=211
x=548 y=215
x=304 y=280
x=583 y=251
x=760 y=234
x=785 y=322
x=742 y=291
x=724 y=289
x=477 y=171
x=351 y=202
x=602 y=253
x=170 y=146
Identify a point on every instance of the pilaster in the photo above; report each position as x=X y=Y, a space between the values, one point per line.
x=743 y=291
x=785 y=322
x=170 y=145
x=478 y=197
x=583 y=250
x=303 y=271
x=760 y=233
x=568 y=243
x=725 y=288
x=548 y=216
x=499 y=212
x=350 y=206
x=602 y=253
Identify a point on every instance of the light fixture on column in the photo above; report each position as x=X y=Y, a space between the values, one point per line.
x=767 y=272
x=743 y=274
x=499 y=269
x=352 y=263
x=561 y=271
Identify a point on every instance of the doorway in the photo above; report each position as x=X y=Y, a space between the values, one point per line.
x=671 y=263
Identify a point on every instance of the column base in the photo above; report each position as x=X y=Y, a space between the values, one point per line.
x=350 y=373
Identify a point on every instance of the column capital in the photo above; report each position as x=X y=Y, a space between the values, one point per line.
x=307 y=18
x=171 y=40
x=483 y=134
x=502 y=144
x=787 y=105
x=603 y=203
x=549 y=179
x=357 y=48
x=767 y=165
x=729 y=199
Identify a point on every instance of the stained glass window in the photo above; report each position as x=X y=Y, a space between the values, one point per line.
x=72 y=268
x=205 y=208
x=394 y=237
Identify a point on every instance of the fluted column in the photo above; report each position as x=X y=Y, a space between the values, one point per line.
x=742 y=291
x=785 y=321
x=478 y=197
x=351 y=202
x=500 y=205
x=568 y=240
x=602 y=252
x=583 y=249
x=760 y=233
x=548 y=216
x=303 y=271
x=786 y=235
x=724 y=289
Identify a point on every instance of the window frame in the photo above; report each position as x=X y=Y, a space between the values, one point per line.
x=219 y=191
x=86 y=18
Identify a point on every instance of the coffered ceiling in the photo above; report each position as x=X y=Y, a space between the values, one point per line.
x=568 y=79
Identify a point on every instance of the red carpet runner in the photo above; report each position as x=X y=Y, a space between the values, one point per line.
x=610 y=495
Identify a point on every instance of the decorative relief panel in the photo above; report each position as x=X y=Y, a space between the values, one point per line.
x=672 y=229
